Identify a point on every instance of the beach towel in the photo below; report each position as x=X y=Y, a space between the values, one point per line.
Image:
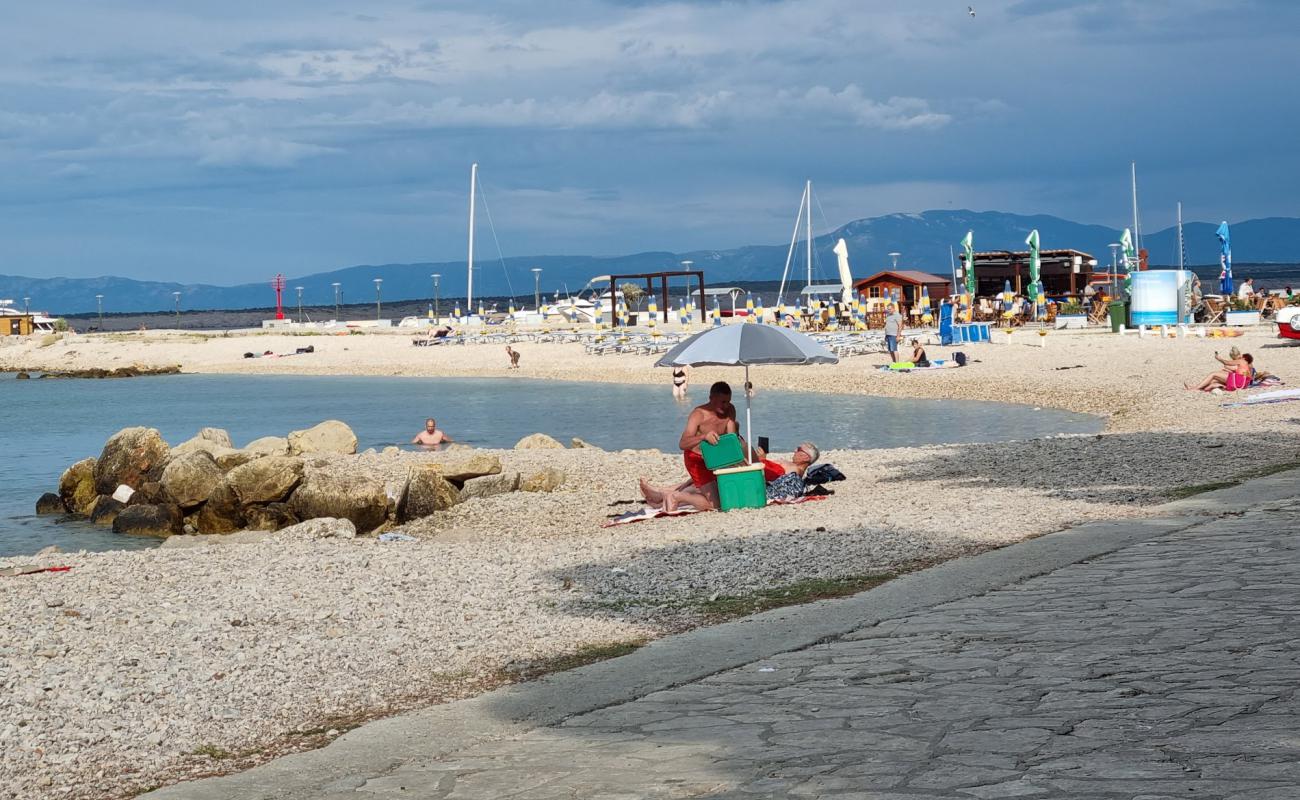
x=1277 y=396
x=643 y=514
x=908 y=366
x=808 y=498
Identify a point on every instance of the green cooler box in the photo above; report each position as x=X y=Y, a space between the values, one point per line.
x=726 y=453
x=742 y=487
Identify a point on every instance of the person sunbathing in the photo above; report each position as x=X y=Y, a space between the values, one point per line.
x=918 y=354
x=785 y=478
x=1235 y=374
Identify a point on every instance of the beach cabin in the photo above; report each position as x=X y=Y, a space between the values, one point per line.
x=906 y=284
x=1064 y=272
x=16 y=324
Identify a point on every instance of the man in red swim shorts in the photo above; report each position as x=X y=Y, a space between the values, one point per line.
x=705 y=424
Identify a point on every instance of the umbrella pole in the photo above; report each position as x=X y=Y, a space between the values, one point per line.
x=749 y=458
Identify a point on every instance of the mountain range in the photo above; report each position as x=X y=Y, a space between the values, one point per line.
x=924 y=241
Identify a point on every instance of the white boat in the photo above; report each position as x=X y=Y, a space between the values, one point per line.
x=582 y=307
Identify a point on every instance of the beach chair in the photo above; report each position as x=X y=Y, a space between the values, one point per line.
x=1215 y=307
x=1098 y=313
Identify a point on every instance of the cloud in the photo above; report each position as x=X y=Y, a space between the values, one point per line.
x=256 y=151
x=895 y=113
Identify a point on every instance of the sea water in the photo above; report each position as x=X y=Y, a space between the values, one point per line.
x=46 y=425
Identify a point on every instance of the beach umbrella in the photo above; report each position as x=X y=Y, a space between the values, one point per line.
x=968 y=250
x=716 y=313
x=457 y=312
x=747 y=346
x=758 y=310
x=596 y=316
x=1130 y=259
x=749 y=307
x=654 y=312
x=1035 y=289
x=1225 y=259
x=924 y=303
x=1008 y=297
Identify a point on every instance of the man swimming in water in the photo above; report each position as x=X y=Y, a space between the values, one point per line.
x=431 y=435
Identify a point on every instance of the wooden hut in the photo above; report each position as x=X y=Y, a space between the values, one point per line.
x=905 y=283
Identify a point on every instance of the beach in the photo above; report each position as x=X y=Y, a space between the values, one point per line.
x=136 y=669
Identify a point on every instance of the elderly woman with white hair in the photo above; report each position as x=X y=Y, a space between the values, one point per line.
x=785 y=478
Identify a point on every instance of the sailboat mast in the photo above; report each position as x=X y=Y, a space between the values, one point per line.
x=469 y=283
x=789 y=256
x=1180 y=235
x=1137 y=231
x=808 y=195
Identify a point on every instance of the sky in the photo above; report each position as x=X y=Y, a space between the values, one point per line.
x=223 y=142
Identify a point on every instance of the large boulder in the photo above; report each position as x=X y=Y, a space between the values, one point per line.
x=547 y=480
x=149 y=520
x=211 y=440
x=270 y=517
x=190 y=478
x=131 y=456
x=476 y=466
x=221 y=513
x=359 y=498
x=538 y=441
x=581 y=444
x=77 y=486
x=268 y=446
x=331 y=436
x=427 y=491
x=490 y=485
x=322 y=528
x=50 y=503
x=229 y=459
x=104 y=510
x=265 y=480
x=217 y=436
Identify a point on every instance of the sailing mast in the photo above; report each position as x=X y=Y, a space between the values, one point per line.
x=808 y=235
x=804 y=202
x=1137 y=231
x=469 y=283
x=1181 y=258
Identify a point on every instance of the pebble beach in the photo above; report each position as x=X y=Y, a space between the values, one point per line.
x=138 y=669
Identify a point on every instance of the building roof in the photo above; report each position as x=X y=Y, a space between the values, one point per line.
x=1024 y=254
x=906 y=275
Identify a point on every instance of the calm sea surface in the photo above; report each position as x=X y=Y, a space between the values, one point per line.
x=46 y=425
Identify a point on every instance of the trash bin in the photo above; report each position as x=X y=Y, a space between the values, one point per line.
x=1118 y=310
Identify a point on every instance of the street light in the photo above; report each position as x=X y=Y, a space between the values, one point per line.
x=437 y=292
x=99 y=301
x=299 y=290
x=537 y=288
x=686 y=267
x=895 y=257
x=27 y=305
x=1114 y=263
x=379 y=306
x=177 y=297
x=338 y=295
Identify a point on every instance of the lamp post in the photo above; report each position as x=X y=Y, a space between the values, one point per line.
x=686 y=267
x=27 y=305
x=298 y=289
x=99 y=301
x=537 y=289
x=437 y=295
x=337 y=297
x=177 y=297
x=895 y=256
x=379 y=306
x=1114 y=264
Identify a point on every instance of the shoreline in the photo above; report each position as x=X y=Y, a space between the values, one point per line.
x=263 y=642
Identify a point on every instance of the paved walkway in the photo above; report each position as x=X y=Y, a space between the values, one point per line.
x=1165 y=666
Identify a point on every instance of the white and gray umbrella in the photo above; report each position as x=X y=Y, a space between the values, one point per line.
x=746 y=345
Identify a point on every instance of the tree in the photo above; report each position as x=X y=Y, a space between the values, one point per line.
x=632 y=294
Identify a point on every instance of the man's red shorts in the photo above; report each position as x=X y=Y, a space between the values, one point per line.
x=701 y=475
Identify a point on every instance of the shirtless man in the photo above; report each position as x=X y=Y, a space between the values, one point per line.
x=431 y=435
x=705 y=424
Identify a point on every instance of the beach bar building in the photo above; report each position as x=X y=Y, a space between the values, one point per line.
x=1064 y=272
x=906 y=284
x=14 y=324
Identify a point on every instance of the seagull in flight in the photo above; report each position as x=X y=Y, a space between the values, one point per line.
x=970 y=10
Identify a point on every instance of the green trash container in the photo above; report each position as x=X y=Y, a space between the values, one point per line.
x=1118 y=310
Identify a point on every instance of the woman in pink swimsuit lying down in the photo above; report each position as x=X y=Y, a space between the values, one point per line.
x=1235 y=374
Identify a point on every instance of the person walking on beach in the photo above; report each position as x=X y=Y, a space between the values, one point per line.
x=706 y=423
x=514 y=357
x=431 y=435
x=679 y=383
x=893 y=329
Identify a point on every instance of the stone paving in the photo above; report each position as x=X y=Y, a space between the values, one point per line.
x=1167 y=669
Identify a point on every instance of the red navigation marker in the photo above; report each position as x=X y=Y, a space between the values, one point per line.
x=278 y=286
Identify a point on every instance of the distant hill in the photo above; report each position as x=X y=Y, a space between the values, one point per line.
x=923 y=239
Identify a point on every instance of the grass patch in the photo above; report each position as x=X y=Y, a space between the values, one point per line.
x=212 y=751
x=587 y=654
x=732 y=606
x=1184 y=492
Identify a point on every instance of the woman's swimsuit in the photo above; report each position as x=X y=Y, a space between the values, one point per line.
x=679 y=377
